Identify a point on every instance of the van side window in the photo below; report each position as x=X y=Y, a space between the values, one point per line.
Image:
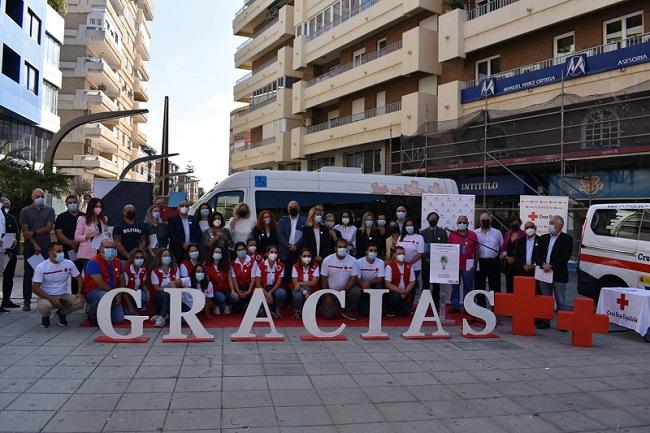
x=619 y=223
x=225 y=202
x=644 y=235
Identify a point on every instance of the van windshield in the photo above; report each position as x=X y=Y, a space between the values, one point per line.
x=225 y=202
x=618 y=223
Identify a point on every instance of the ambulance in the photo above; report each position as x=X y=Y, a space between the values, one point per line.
x=615 y=248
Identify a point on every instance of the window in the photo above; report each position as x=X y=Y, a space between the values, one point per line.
x=623 y=31
x=225 y=202
x=14 y=9
x=381 y=43
x=644 y=235
x=318 y=163
x=52 y=50
x=618 y=223
x=31 y=78
x=488 y=67
x=357 y=56
x=34 y=26
x=50 y=97
x=602 y=130
x=10 y=63
x=563 y=45
x=368 y=160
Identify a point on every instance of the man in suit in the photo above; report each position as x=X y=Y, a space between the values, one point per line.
x=526 y=251
x=553 y=255
x=9 y=252
x=183 y=231
x=432 y=235
x=290 y=237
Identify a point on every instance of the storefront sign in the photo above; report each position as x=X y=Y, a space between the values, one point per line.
x=493 y=185
x=605 y=184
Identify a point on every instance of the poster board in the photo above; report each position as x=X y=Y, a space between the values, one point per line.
x=540 y=208
x=444 y=264
x=448 y=207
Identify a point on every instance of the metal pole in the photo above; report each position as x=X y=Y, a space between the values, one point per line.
x=485 y=151
x=562 y=165
x=164 y=166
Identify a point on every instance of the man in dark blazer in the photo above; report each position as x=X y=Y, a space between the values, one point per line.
x=11 y=256
x=526 y=250
x=183 y=231
x=290 y=237
x=432 y=235
x=553 y=255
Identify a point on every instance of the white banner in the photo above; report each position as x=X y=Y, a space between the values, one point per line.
x=444 y=263
x=448 y=207
x=540 y=208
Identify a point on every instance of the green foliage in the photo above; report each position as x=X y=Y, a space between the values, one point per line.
x=19 y=176
x=61 y=6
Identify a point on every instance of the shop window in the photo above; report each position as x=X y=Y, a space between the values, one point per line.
x=602 y=130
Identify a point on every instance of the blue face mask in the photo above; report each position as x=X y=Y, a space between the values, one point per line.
x=205 y=212
x=59 y=257
x=73 y=207
x=369 y=223
x=217 y=256
x=166 y=260
x=372 y=255
x=381 y=223
x=110 y=253
x=138 y=262
x=200 y=276
x=342 y=252
x=39 y=201
x=194 y=255
x=318 y=219
x=410 y=230
x=241 y=253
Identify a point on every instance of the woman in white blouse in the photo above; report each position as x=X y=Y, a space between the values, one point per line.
x=348 y=230
x=242 y=223
x=413 y=244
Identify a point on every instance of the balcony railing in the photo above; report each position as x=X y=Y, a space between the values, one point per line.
x=258 y=105
x=338 y=70
x=243 y=8
x=259 y=32
x=250 y=146
x=489 y=6
x=369 y=114
x=594 y=51
x=345 y=15
x=256 y=70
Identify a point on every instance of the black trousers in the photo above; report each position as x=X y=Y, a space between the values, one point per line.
x=292 y=258
x=489 y=269
x=8 y=278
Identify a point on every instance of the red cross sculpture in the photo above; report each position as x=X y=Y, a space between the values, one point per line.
x=533 y=216
x=523 y=306
x=622 y=302
x=582 y=322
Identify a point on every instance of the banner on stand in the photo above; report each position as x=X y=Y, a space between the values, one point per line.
x=448 y=207
x=540 y=208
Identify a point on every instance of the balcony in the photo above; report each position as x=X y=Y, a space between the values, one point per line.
x=97 y=71
x=102 y=42
x=274 y=108
x=462 y=32
x=368 y=17
x=281 y=66
x=103 y=138
x=269 y=37
x=264 y=152
x=142 y=42
x=140 y=92
x=139 y=138
x=140 y=118
x=404 y=57
x=141 y=67
x=147 y=8
x=96 y=165
x=251 y=15
x=94 y=101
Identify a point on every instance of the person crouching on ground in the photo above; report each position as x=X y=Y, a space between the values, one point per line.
x=218 y=271
x=241 y=271
x=400 y=280
x=104 y=273
x=339 y=272
x=135 y=274
x=304 y=280
x=371 y=275
x=199 y=281
x=268 y=275
x=165 y=275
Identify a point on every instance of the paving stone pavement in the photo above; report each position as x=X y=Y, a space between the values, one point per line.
x=60 y=380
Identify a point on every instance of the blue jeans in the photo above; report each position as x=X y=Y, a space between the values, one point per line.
x=467 y=278
x=220 y=299
x=557 y=289
x=162 y=300
x=364 y=301
x=297 y=299
x=279 y=297
x=94 y=296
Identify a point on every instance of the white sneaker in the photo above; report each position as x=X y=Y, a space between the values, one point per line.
x=154 y=318
x=217 y=311
x=226 y=310
x=160 y=322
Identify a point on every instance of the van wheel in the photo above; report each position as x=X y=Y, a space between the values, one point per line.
x=611 y=281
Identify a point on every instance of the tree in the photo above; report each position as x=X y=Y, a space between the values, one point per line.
x=61 y=6
x=19 y=176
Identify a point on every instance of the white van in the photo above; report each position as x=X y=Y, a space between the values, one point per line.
x=615 y=249
x=336 y=188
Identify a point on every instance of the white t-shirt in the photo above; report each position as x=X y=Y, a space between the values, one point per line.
x=338 y=272
x=305 y=273
x=204 y=225
x=349 y=233
x=412 y=244
x=389 y=275
x=54 y=276
x=270 y=277
x=138 y=283
x=166 y=280
x=242 y=230
x=189 y=301
x=369 y=271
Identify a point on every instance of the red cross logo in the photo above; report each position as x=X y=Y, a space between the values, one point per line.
x=523 y=306
x=582 y=322
x=533 y=216
x=622 y=302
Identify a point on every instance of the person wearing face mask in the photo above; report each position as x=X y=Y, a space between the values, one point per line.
x=155 y=233
x=400 y=280
x=468 y=242
x=241 y=271
x=339 y=271
x=553 y=255
x=367 y=234
x=202 y=215
x=432 y=235
x=348 y=230
x=64 y=227
x=371 y=275
x=269 y=276
x=192 y=259
x=252 y=250
x=183 y=231
x=513 y=235
x=400 y=215
x=305 y=276
x=92 y=223
x=36 y=222
x=265 y=231
x=316 y=235
x=382 y=229
x=128 y=234
x=413 y=244
x=216 y=236
x=135 y=275
x=10 y=252
x=50 y=284
x=219 y=273
x=242 y=223
x=199 y=281
x=290 y=237
x=103 y=273
x=489 y=257
x=526 y=251
x=164 y=275
x=392 y=239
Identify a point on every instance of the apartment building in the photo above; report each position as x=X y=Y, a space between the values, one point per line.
x=333 y=82
x=547 y=97
x=31 y=34
x=104 y=69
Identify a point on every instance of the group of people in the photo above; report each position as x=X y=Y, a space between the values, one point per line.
x=289 y=257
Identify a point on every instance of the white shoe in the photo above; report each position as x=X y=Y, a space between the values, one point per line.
x=217 y=311
x=160 y=322
x=154 y=318
x=226 y=310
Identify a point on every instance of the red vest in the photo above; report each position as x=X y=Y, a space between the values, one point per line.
x=257 y=257
x=301 y=274
x=243 y=273
x=130 y=277
x=279 y=271
x=116 y=264
x=189 y=266
x=219 y=279
x=161 y=276
x=396 y=274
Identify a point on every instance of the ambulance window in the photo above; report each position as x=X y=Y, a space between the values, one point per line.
x=225 y=202
x=644 y=235
x=618 y=223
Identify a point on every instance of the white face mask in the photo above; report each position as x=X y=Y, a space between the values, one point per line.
x=273 y=257
x=184 y=210
x=217 y=222
x=400 y=258
x=267 y=221
x=530 y=232
x=345 y=221
x=305 y=260
x=252 y=249
x=551 y=229
x=342 y=252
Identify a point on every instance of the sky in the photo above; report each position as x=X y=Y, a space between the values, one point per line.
x=192 y=49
